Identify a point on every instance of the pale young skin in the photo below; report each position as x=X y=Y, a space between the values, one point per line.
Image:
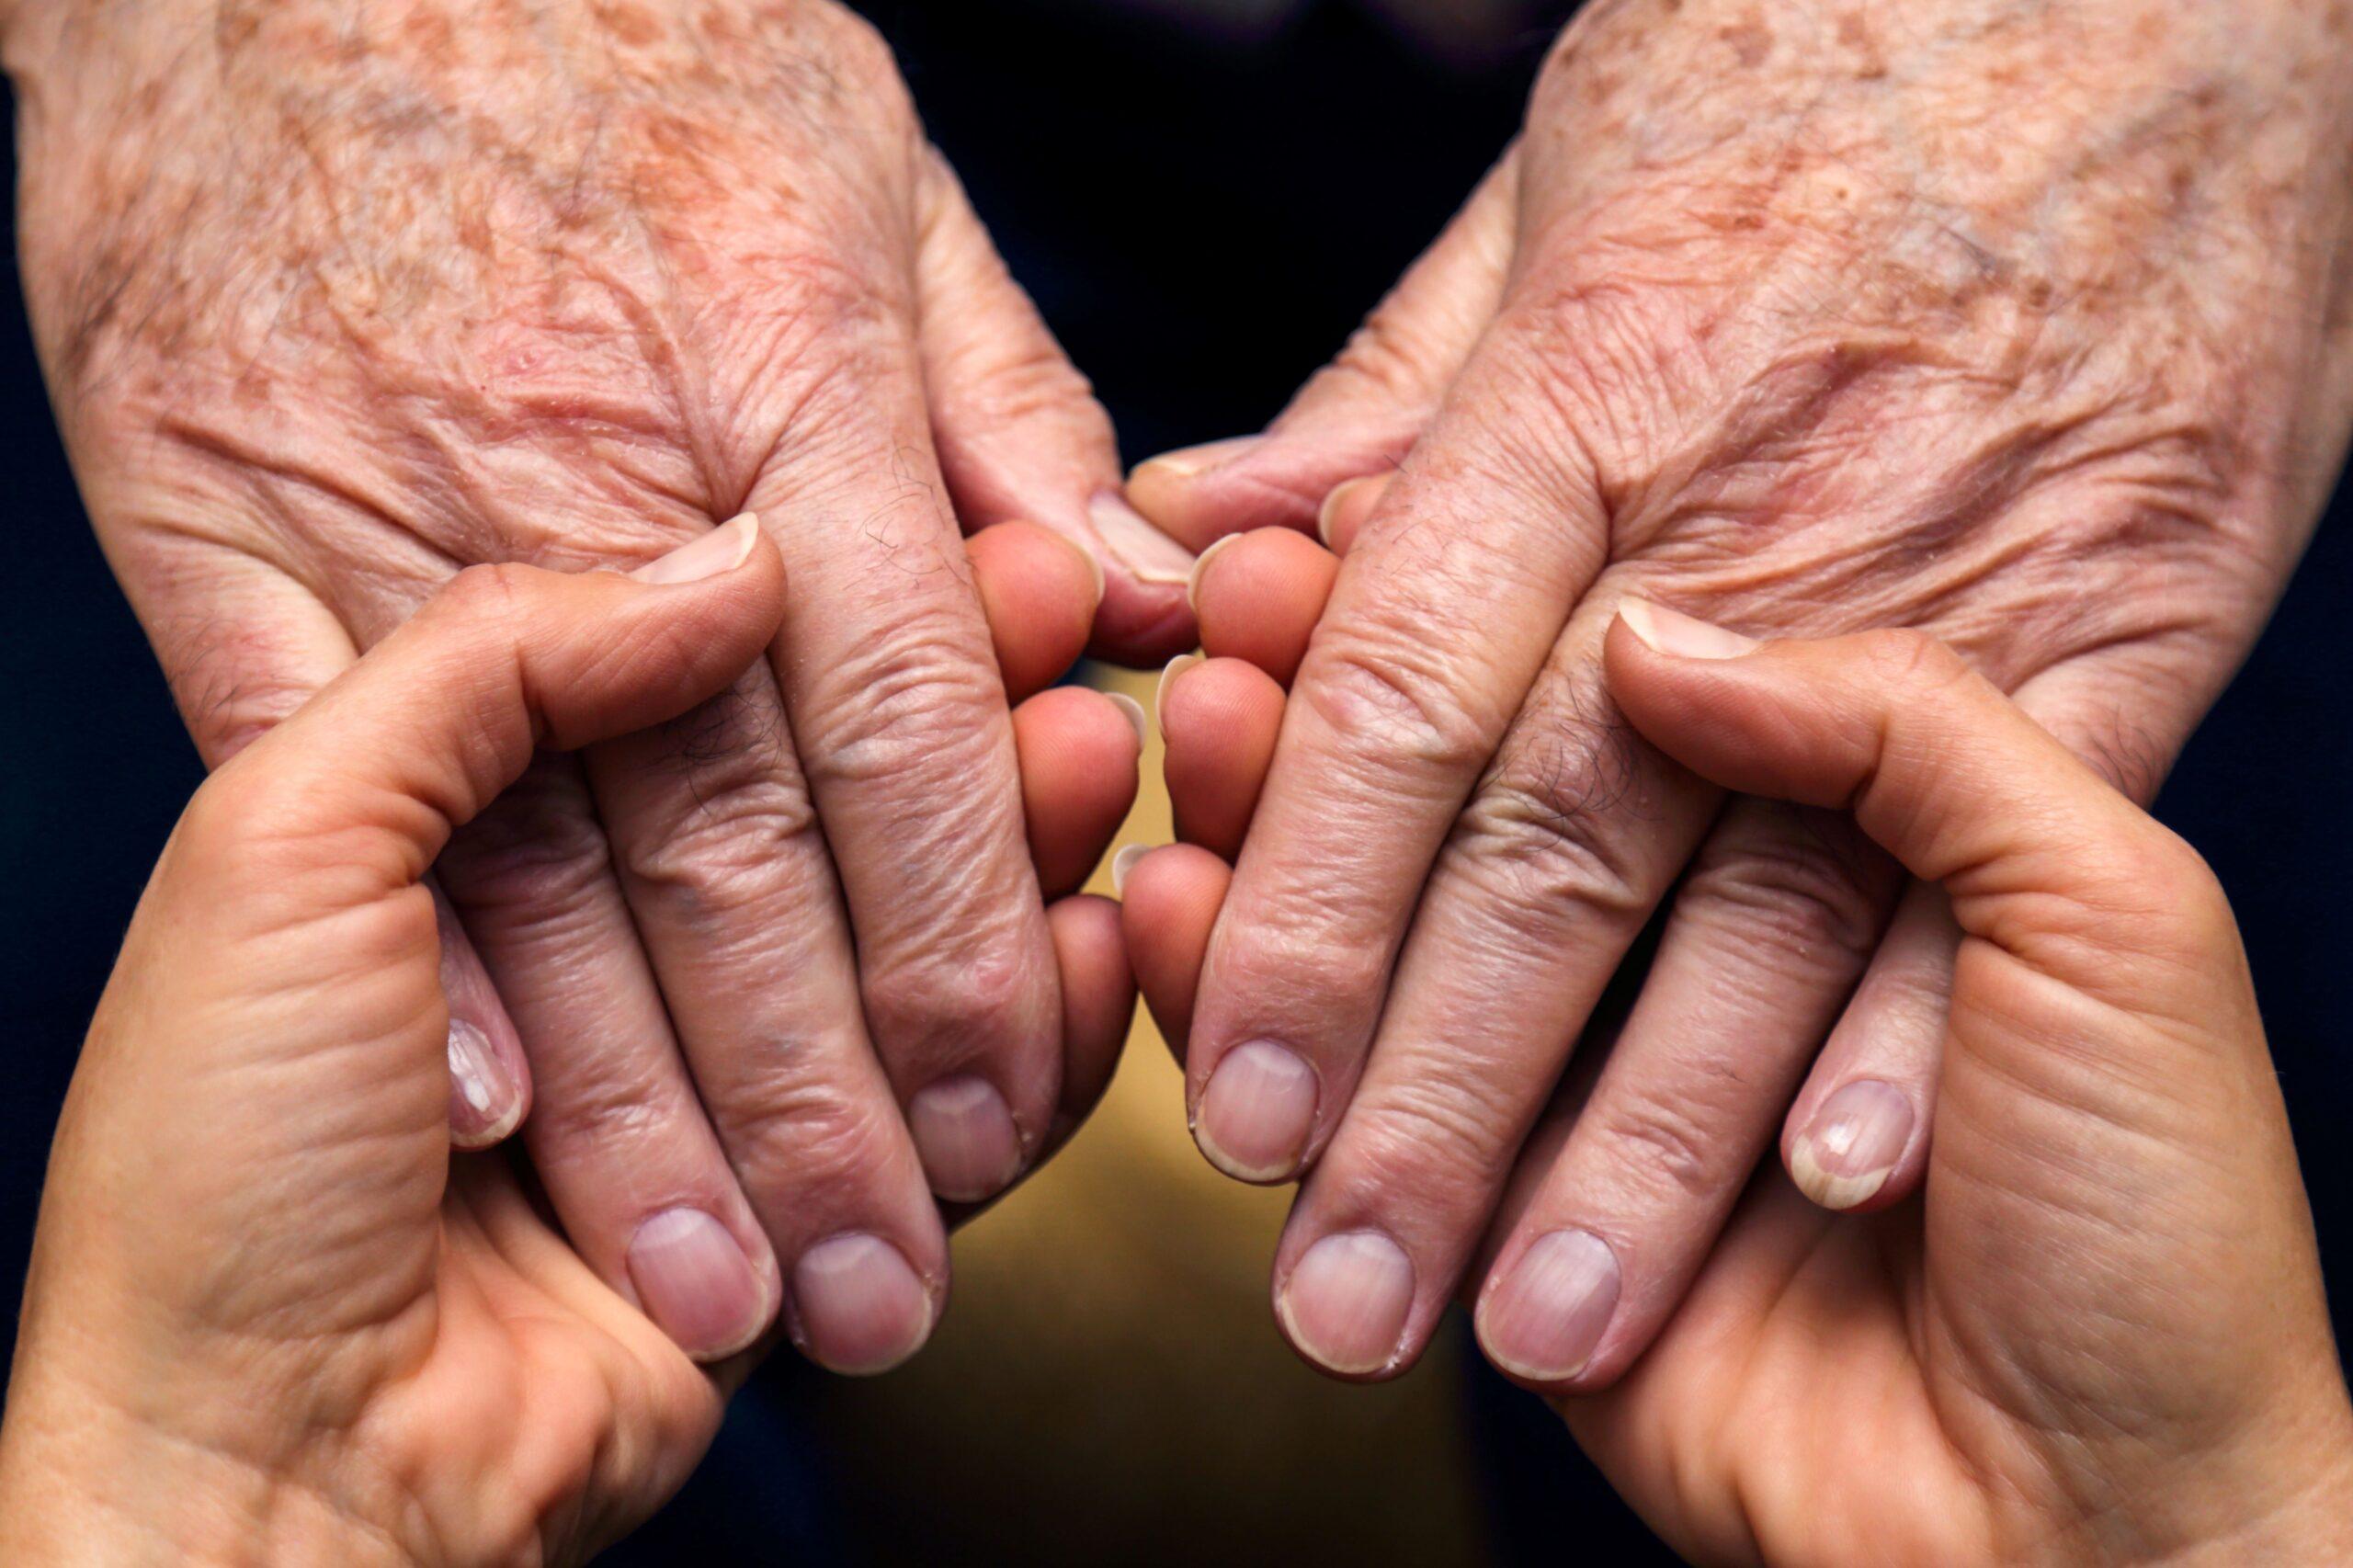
x=337 y=297
x=2101 y=1338
x=2026 y=324
x=271 y=1317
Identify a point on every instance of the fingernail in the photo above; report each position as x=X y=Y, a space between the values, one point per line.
x=861 y=1307
x=1543 y=1320
x=1257 y=1112
x=1188 y=462
x=1094 y=563
x=1681 y=636
x=1850 y=1148
x=696 y=1283
x=1149 y=555
x=485 y=1100
x=1345 y=1303
x=1347 y=495
x=1132 y=711
x=1124 y=862
x=1176 y=666
x=1200 y=565
x=723 y=549
x=965 y=1136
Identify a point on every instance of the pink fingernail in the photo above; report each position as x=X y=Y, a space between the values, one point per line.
x=1852 y=1145
x=1148 y=555
x=1682 y=636
x=1542 y=1320
x=965 y=1136
x=1257 y=1112
x=486 y=1102
x=861 y=1307
x=1201 y=566
x=1123 y=863
x=1345 y=1304
x=697 y=1285
x=1176 y=666
x=723 y=549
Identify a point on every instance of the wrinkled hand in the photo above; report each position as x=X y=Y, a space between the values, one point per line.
x=270 y=1317
x=2024 y=325
x=336 y=299
x=2102 y=1338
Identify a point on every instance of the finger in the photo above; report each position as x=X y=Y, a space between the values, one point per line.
x=1079 y=751
x=617 y=1135
x=1570 y=840
x=1345 y=510
x=1364 y=412
x=1220 y=718
x=2036 y=850
x=1020 y=434
x=1258 y=597
x=731 y=894
x=1857 y=1137
x=446 y=713
x=902 y=731
x=1772 y=924
x=1039 y=591
x=264 y=645
x=1169 y=900
x=490 y=1083
x=1443 y=615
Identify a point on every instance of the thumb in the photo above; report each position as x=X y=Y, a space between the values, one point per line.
x=425 y=731
x=2041 y=856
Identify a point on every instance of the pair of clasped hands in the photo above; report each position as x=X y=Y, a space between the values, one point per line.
x=413 y=360
x=272 y=1318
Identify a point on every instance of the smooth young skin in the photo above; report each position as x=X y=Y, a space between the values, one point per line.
x=271 y=1317
x=2026 y=324
x=2101 y=1338
x=335 y=299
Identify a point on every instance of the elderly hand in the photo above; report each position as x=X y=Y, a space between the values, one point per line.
x=271 y=1317
x=2024 y=326
x=2102 y=1338
x=335 y=299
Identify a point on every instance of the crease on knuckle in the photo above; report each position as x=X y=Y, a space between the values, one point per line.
x=1796 y=896
x=815 y=1137
x=1557 y=818
x=537 y=860
x=905 y=714
x=935 y=1004
x=1446 y=1139
x=1664 y=1145
x=1391 y=697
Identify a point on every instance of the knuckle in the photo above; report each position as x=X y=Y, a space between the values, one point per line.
x=1799 y=896
x=599 y=1104
x=933 y=1005
x=1446 y=1139
x=822 y=1141
x=1393 y=697
x=1910 y=662
x=1664 y=1145
x=537 y=858
x=740 y=813
x=915 y=709
x=486 y=595
x=1553 y=817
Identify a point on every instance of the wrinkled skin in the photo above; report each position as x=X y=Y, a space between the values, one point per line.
x=335 y=299
x=2101 y=1338
x=270 y=1317
x=2024 y=324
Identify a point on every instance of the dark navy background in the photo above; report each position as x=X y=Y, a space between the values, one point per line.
x=1203 y=223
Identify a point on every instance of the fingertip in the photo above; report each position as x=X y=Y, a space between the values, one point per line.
x=1263 y=601
x=1347 y=509
x=1168 y=907
x=1099 y=996
x=1039 y=592
x=1078 y=752
x=1220 y=724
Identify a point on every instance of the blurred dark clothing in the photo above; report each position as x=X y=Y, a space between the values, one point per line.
x=1203 y=216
